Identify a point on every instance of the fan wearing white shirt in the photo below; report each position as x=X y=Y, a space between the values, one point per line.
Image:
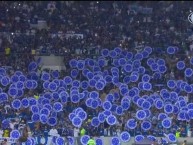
x=1 y=132
x=76 y=135
x=53 y=132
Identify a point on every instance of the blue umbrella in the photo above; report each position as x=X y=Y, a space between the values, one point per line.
x=52 y=121
x=35 y=117
x=57 y=107
x=159 y=104
x=2 y=71
x=148 y=49
x=162 y=68
x=91 y=62
x=115 y=141
x=119 y=110
x=84 y=139
x=146 y=125
x=67 y=80
x=161 y=61
x=140 y=115
x=76 y=83
x=154 y=67
x=150 y=61
x=29 y=84
x=138 y=56
x=128 y=68
x=45 y=111
x=74 y=73
x=34 y=109
x=15 y=134
x=55 y=74
x=129 y=55
x=43 y=118
x=25 y=102
x=60 y=141
x=188 y=88
x=140 y=102
x=134 y=78
x=125 y=105
x=166 y=123
x=190 y=106
x=99 y=85
x=141 y=70
x=147 y=86
x=168 y=108
x=76 y=121
x=3 y=97
x=73 y=63
x=13 y=92
x=16 y=104
x=80 y=65
x=75 y=98
x=125 y=136
x=104 y=52
x=94 y=104
x=99 y=141
x=101 y=62
x=110 y=98
x=111 y=120
x=55 y=96
x=52 y=86
x=71 y=116
x=94 y=94
x=180 y=65
x=112 y=54
x=108 y=78
x=190 y=113
x=171 y=50
x=45 y=76
x=92 y=83
x=20 y=85
x=5 y=81
x=139 y=138
x=162 y=116
x=14 y=78
x=32 y=66
x=146 y=78
x=122 y=61
x=101 y=117
x=88 y=102
x=71 y=140
x=171 y=137
x=191 y=61
x=84 y=85
x=95 y=122
x=146 y=105
x=188 y=72
x=171 y=84
x=29 y=142
x=118 y=50
x=174 y=95
x=151 y=137
x=82 y=115
x=107 y=105
x=145 y=54
x=131 y=124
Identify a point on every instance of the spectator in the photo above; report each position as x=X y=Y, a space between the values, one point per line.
x=76 y=134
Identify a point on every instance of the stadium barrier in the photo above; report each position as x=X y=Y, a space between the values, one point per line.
x=107 y=141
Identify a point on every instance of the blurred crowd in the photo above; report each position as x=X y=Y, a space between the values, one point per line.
x=108 y=24
x=130 y=25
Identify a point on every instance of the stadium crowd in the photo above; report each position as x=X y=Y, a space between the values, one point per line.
x=129 y=25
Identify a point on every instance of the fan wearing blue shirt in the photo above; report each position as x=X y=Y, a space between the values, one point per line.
x=46 y=130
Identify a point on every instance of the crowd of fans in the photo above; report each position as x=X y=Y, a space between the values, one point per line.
x=129 y=25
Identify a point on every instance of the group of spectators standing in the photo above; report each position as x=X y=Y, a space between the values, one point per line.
x=102 y=25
